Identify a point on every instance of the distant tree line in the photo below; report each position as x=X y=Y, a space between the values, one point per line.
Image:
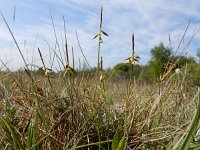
x=161 y=58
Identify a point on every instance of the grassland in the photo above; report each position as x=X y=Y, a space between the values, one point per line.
x=69 y=111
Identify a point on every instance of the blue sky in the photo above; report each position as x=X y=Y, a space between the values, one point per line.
x=151 y=21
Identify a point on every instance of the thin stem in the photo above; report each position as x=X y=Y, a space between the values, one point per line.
x=99 y=44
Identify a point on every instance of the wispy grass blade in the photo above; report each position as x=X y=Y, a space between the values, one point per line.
x=82 y=50
x=14 y=40
x=53 y=25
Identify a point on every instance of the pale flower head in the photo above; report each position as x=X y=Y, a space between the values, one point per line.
x=177 y=70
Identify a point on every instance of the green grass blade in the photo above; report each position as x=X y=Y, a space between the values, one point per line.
x=116 y=139
x=192 y=129
x=122 y=144
x=31 y=132
x=15 y=136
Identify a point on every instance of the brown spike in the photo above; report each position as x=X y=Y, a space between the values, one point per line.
x=133 y=42
x=101 y=63
x=41 y=58
x=67 y=55
x=101 y=17
x=73 y=58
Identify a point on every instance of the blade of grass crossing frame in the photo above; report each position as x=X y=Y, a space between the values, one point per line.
x=16 y=138
x=192 y=129
x=31 y=133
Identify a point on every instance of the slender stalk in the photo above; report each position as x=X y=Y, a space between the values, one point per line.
x=73 y=66
x=99 y=53
x=99 y=44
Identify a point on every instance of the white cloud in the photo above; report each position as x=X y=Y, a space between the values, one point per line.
x=43 y=33
x=151 y=21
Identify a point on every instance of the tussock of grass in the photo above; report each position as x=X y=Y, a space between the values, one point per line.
x=65 y=117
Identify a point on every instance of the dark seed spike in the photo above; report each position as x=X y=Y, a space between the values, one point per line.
x=133 y=42
x=101 y=63
x=73 y=58
x=101 y=17
x=67 y=55
x=41 y=58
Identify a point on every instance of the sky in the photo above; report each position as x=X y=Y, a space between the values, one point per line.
x=151 y=22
